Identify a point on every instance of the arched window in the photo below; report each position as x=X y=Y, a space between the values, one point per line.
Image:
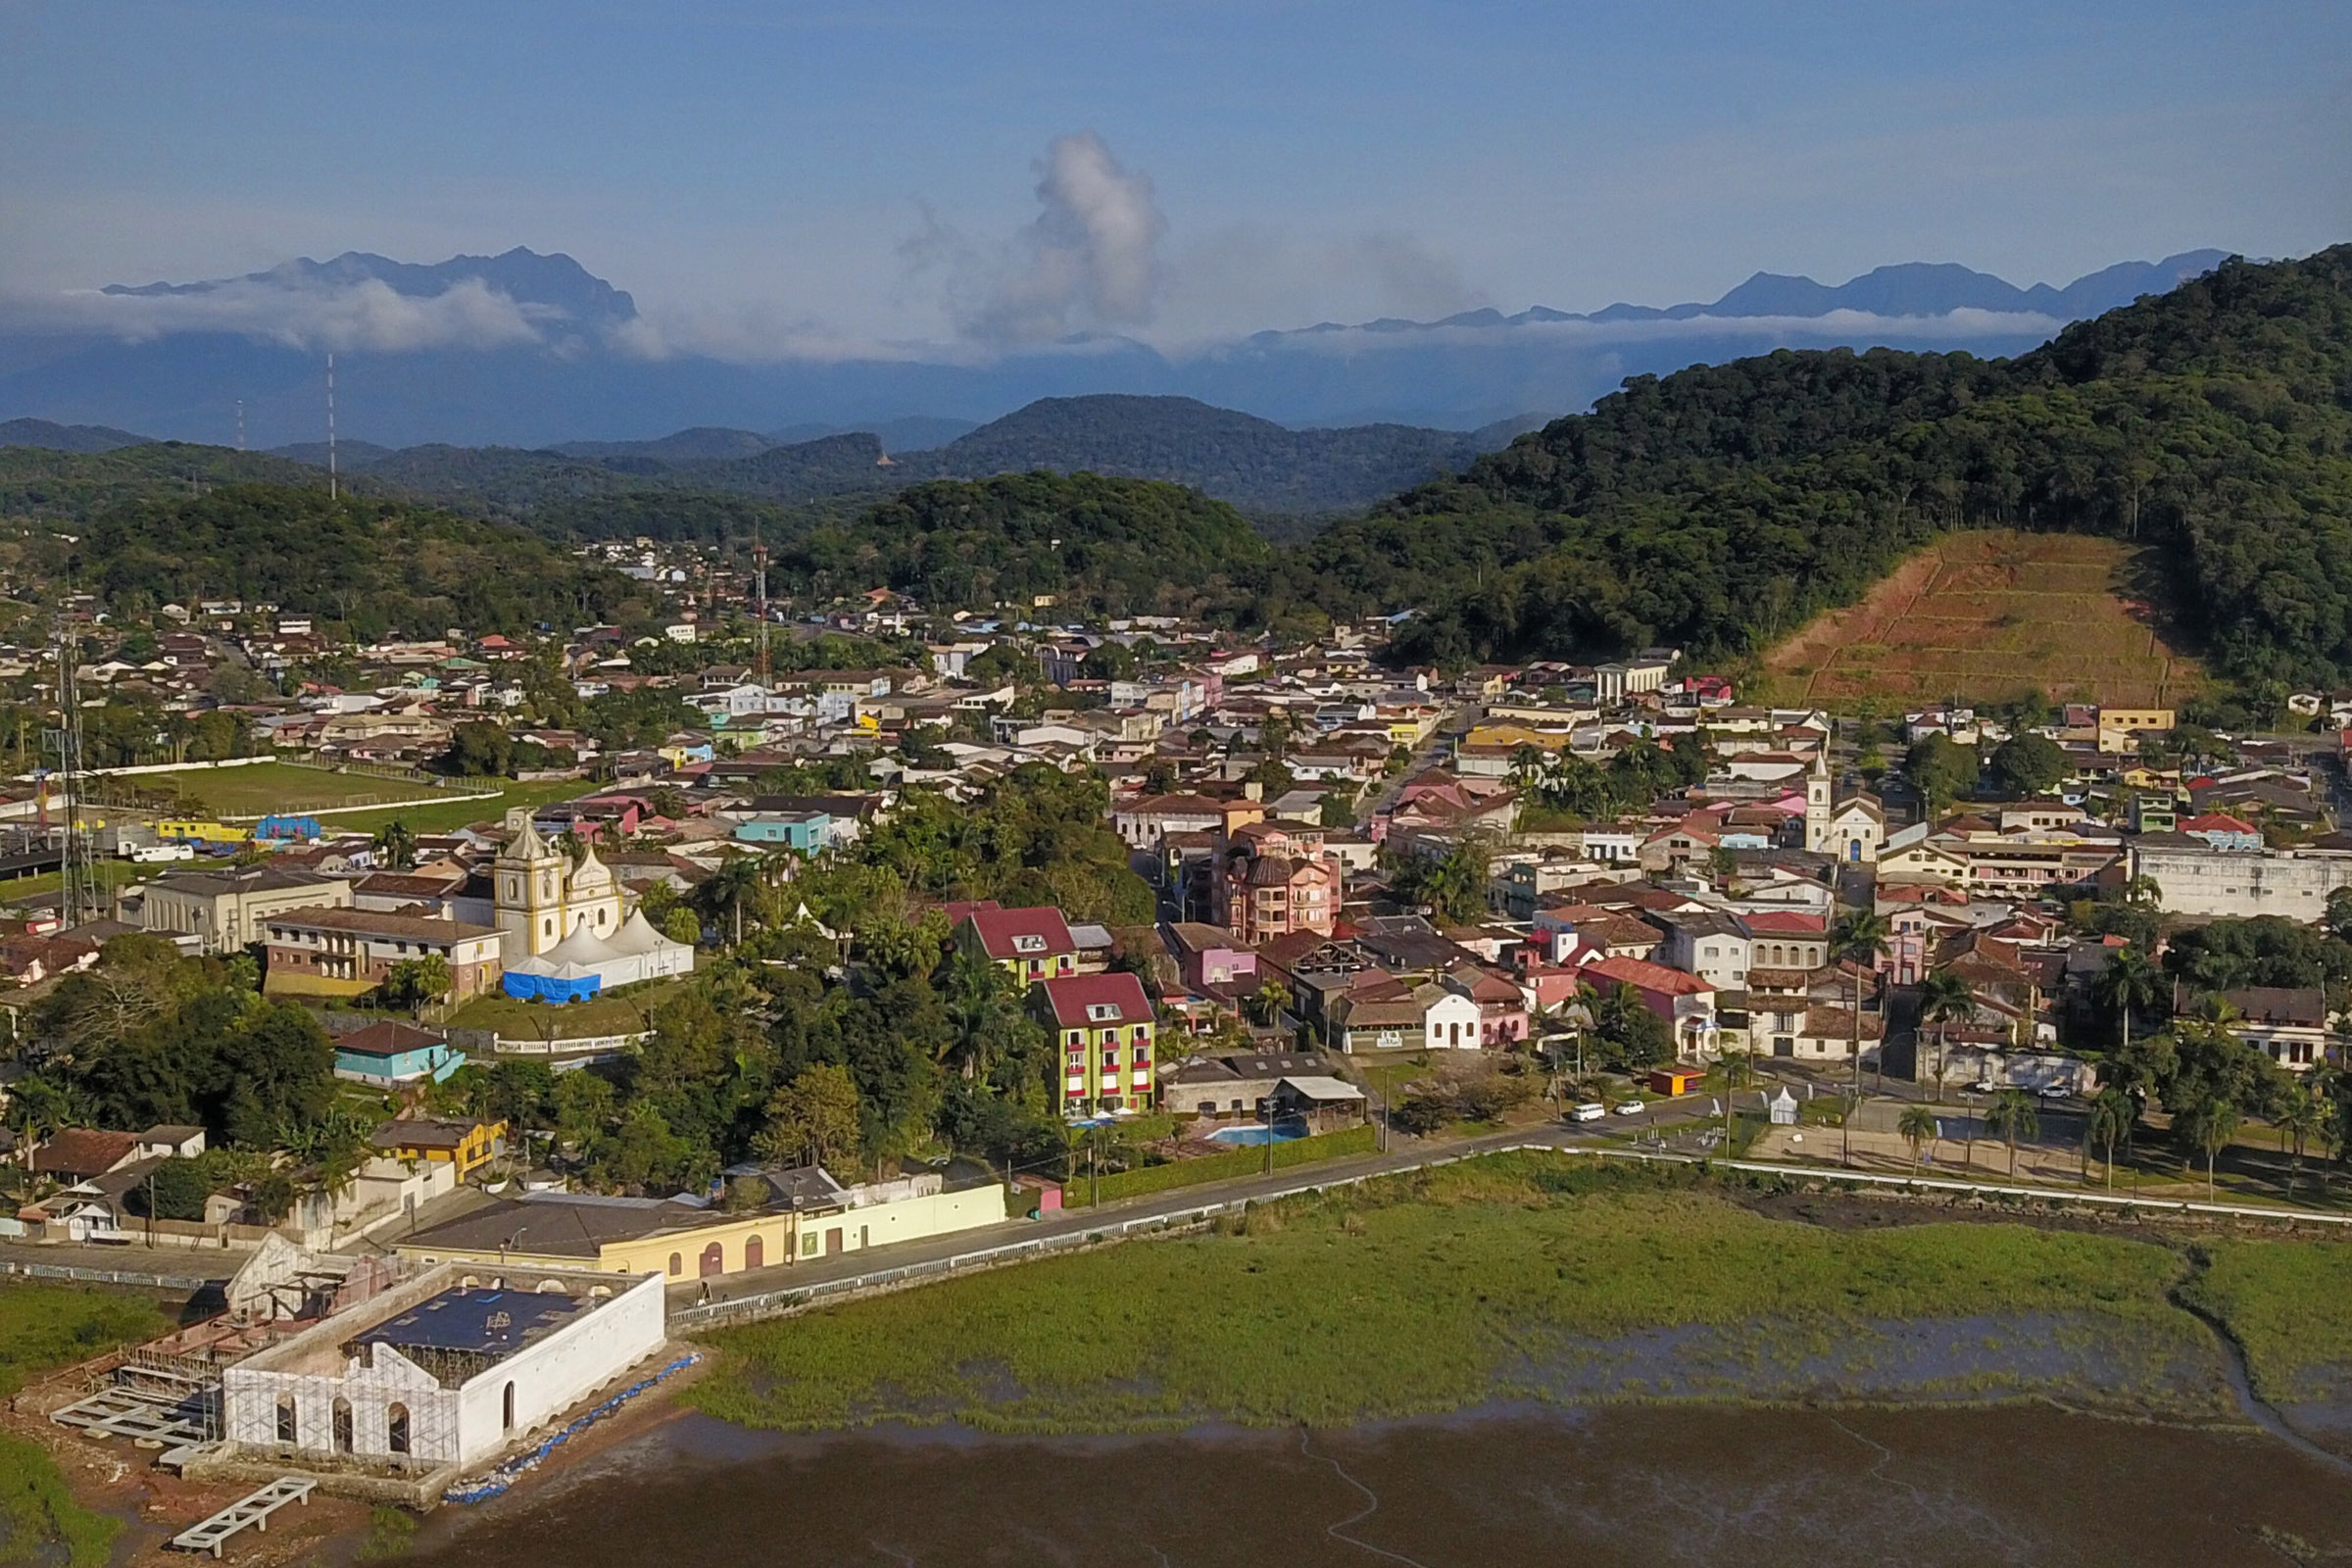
x=677 y=1264
x=509 y=1402
x=343 y=1425
x=755 y=1252
x=289 y=1429
x=396 y=1429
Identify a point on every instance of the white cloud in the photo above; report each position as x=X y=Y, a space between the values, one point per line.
x=367 y=314
x=1090 y=260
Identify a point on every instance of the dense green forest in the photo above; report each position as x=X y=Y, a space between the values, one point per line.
x=375 y=564
x=1719 y=506
x=1097 y=545
x=1258 y=465
x=669 y=489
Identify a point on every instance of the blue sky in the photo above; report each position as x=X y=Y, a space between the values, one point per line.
x=870 y=169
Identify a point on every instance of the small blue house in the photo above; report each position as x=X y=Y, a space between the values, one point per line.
x=390 y=1053
x=806 y=831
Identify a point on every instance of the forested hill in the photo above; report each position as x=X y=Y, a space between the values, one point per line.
x=1252 y=462
x=1094 y=545
x=599 y=489
x=1720 y=507
x=377 y=566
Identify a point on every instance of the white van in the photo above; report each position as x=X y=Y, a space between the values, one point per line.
x=157 y=853
x=1590 y=1110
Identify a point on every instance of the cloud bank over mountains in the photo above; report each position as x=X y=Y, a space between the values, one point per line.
x=1091 y=294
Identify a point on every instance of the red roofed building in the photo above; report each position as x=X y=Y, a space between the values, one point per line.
x=1030 y=945
x=1102 y=1025
x=2224 y=832
x=1685 y=1001
x=78 y=1153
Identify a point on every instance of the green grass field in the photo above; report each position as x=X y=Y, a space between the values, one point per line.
x=621 y=1013
x=259 y=788
x=1408 y=1296
x=43 y=1326
x=448 y=816
x=2283 y=1303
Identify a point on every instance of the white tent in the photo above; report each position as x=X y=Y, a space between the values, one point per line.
x=636 y=951
x=658 y=953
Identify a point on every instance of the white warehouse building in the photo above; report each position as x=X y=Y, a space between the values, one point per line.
x=445 y=1370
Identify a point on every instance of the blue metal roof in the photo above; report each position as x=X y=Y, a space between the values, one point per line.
x=489 y=1322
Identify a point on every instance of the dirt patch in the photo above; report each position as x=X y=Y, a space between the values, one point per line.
x=1982 y=614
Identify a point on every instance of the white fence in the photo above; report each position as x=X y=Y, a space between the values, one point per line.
x=792 y=1299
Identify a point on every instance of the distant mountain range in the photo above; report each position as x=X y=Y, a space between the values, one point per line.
x=533 y=350
x=1258 y=465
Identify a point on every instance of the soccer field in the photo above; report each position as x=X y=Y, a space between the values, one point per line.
x=260 y=788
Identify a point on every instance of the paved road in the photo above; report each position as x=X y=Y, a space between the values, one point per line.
x=1666 y=1118
x=1451 y=728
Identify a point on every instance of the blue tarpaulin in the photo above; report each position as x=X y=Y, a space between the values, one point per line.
x=551 y=988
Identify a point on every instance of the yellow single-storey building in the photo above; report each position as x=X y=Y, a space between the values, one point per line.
x=681 y=1240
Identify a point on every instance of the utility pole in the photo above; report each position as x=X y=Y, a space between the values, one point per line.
x=332 y=487
x=760 y=599
x=78 y=890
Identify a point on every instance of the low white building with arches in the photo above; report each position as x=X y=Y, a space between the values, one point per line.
x=448 y=1369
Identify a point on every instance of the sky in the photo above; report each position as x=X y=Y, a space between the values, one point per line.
x=774 y=175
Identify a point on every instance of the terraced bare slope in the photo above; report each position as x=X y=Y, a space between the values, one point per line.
x=1981 y=615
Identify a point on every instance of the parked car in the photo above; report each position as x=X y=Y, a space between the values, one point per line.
x=2056 y=1091
x=1590 y=1110
x=1631 y=1108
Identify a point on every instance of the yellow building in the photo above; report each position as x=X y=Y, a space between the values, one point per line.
x=2121 y=729
x=808 y=1217
x=467 y=1144
x=540 y=898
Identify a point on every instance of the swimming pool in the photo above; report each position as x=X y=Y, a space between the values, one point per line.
x=1257 y=1134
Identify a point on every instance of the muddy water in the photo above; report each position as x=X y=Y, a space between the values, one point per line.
x=1631 y=1484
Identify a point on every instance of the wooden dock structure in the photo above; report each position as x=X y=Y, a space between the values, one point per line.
x=254 y=1511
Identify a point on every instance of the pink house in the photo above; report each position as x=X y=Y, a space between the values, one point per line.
x=1685 y=1001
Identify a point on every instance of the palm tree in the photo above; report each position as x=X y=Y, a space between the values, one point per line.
x=1918 y=1127
x=1738 y=1071
x=1861 y=936
x=730 y=885
x=2302 y=1116
x=398 y=844
x=2209 y=1125
x=1271 y=998
x=2113 y=1115
x=1944 y=999
x=2012 y=1117
x=2129 y=982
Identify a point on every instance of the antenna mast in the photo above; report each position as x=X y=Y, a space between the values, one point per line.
x=760 y=579
x=331 y=488
x=77 y=892
x=240 y=425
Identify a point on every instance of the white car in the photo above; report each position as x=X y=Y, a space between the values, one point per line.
x=1590 y=1110
x=1631 y=1108
x=2055 y=1092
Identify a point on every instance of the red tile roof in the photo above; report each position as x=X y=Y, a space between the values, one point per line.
x=999 y=929
x=1647 y=976
x=1785 y=922
x=1074 y=998
x=82 y=1152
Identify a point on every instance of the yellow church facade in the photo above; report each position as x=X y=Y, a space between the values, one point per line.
x=539 y=897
